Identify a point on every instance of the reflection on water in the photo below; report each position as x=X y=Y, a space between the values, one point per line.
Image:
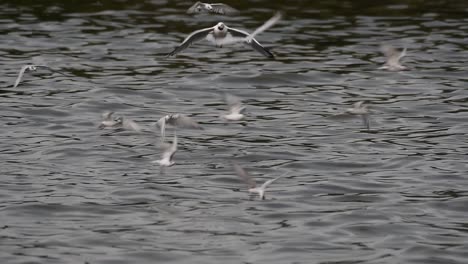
x=72 y=193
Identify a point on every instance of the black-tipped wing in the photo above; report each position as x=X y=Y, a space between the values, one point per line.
x=223 y=9
x=193 y=37
x=254 y=43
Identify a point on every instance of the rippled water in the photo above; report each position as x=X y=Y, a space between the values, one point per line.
x=71 y=193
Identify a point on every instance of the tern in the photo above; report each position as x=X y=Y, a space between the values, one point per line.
x=236 y=109
x=176 y=120
x=31 y=67
x=217 y=8
x=393 y=58
x=168 y=154
x=221 y=35
x=251 y=182
x=360 y=109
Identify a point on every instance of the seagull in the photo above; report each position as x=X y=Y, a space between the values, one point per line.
x=168 y=154
x=108 y=120
x=31 y=67
x=251 y=182
x=217 y=8
x=393 y=58
x=236 y=108
x=221 y=35
x=360 y=109
x=177 y=120
x=128 y=124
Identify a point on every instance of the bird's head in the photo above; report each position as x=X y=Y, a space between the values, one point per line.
x=220 y=26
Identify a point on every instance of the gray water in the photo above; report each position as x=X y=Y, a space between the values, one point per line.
x=397 y=193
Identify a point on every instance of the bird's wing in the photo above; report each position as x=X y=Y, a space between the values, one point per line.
x=194 y=9
x=265 y=184
x=107 y=115
x=184 y=121
x=358 y=104
x=253 y=43
x=244 y=176
x=193 y=37
x=132 y=125
x=52 y=70
x=273 y=20
x=162 y=125
x=402 y=54
x=392 y=54
x=365 y=120
x=223 y=9
x=21 y=73
x=232 y=100
x=170 y=149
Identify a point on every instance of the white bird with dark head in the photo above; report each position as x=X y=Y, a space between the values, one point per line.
x=222 y=35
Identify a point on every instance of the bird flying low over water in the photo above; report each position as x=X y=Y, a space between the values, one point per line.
x=167 y=157
x=236 y=109
x=393 y=57
x=251 y=185
x=222 y=35
x=176 y=120
x=31 y=67
x=216 y=8
x=362 y=110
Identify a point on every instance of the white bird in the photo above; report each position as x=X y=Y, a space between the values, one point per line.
x=251 y=182
x=393 y=57
x=236 y=109
x=31 y=67
x=221 y=35
x=108 y=120
x=362 y=110
x=176 y=120
x=217 y=8
x=168 y=153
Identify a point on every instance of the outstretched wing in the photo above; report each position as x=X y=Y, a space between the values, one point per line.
x=170 y=149
x=196 y=8
x=180 y=120
x=223 y=9
x=234 y=103
x=253 y=43
x=131 y=125
x=265 y=184
x=265 y=26
x=107 y=115
x=193 y=37
x=244 y=176
x=392 y=54
x=21 y=73
x=365 y=120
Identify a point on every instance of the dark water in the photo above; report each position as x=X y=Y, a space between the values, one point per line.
x=70 y=193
